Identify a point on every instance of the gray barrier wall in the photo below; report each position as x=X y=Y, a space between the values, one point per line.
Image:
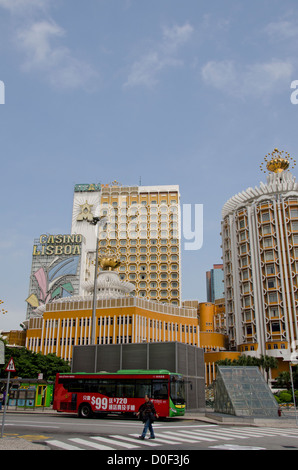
x=173 y=356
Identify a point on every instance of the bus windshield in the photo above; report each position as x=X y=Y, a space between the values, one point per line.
x=177 y=390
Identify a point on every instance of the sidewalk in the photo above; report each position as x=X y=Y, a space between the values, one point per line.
x=17 y=443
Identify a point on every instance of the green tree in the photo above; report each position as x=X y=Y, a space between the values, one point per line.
x=267 y=363
x=224 y=362
x=283 y=380
x=29 y=364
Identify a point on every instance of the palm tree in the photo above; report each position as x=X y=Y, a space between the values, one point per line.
x=224 y=362
x=284 y=380
x=267 y=363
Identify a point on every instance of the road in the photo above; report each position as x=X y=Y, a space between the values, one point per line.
x=68 y=432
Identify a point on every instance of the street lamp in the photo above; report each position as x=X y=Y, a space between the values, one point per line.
x=102 y=221
x=295 y=362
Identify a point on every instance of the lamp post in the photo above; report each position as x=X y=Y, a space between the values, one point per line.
x=293 y=390
x=95 y=221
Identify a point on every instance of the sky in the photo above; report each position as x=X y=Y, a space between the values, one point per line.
x=190 y=92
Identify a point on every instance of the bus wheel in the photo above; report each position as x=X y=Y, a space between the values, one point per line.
x=85 y=411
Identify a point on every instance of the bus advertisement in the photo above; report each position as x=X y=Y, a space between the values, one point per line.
x=122 y=392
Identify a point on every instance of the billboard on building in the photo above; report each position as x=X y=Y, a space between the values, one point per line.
x=55 y=271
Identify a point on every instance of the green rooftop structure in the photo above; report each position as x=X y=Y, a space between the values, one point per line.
x=243 y=391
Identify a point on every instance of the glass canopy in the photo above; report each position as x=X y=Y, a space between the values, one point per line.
x=243 y=391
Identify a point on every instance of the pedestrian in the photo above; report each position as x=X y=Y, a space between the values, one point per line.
x=147 y=413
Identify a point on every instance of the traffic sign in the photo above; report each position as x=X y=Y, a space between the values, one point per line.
x=10 y=366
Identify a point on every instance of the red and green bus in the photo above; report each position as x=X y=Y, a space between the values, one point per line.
x=121 y=392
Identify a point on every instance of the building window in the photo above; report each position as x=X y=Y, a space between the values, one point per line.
x=245 y=274
x=243 y=248
x=271 y=283
x=244 y=261
x=273 y=298
x=294 y=213
x=270 y=269
x=265 y=216
x=246 y=287
x=275 y=327
x=273 y=312
x=266 y=229
x=268 y=242
x=269 y=256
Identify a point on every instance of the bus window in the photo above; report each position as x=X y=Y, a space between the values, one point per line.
x=177 y=390
x=125 y=388
x=72 y=385
x=160 y=389
x=107 y=388
x=143 y=387
x=90 y=385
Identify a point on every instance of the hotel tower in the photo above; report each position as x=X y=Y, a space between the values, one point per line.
x=142 y=227
x=260 y=258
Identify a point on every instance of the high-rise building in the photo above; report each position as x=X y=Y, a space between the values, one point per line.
x=260 y=257
x=142 y=226
x=214 y=283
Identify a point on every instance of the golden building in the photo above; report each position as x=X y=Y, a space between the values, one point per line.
x=213 y=337
x=260 y=257
x=212 y=334
x=142 y=224
x=122 y=320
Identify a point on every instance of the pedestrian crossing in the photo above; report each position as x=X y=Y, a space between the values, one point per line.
x=166 y=436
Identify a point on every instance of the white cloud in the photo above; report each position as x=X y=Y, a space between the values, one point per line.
x=176 y=36
x=40 y=41
x=145 y=71
x=220 y=74
x=282 y=29
x=22 y=6
x=258 y=80
x=43 y=53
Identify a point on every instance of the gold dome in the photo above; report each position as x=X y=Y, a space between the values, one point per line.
x=276 y=162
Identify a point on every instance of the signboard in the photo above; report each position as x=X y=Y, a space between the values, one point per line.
x=10 y=366
x=87 y=187
x=55 y=270
x=49 y=245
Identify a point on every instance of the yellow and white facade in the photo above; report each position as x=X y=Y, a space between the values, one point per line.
x=260 y=257
x=68 y=322
x=142 y=225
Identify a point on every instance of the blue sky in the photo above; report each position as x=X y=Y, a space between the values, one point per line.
x=192 y=93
